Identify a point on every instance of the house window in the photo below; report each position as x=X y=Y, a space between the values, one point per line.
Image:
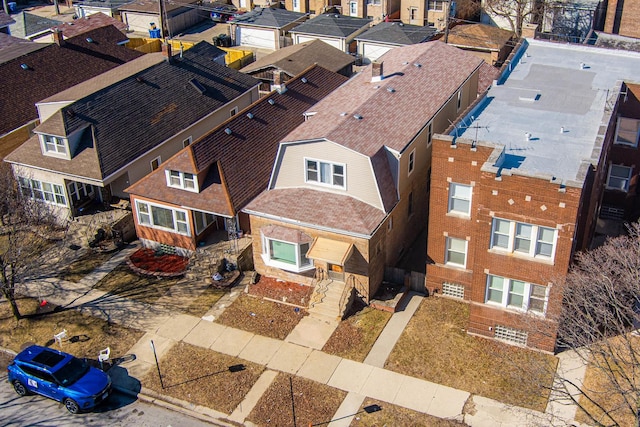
x=186 y=142
x=184 y=180
x=410 y=205
x=454 y=290
x=412 y=158
x=79 y=191
x=511 y=335
x=516 y=294
x=456 y=252
x=286 y=255
x=296 y=5
x=413 y=13
x=156 y=216
x=234 y=111
x=436 y=5
x=429 y=134
x=155 y=163
x=202 y=220
x=374 y=2
x=619 y=177
x=43 y=191
x=527 y=239
x=325 y=173
x=460 y=199
x=628 y=131
x=54 y=145
x=459 y=100
x=353 y=8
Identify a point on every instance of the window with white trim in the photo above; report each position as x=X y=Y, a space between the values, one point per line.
x=162 y=217
x=511 y=335
x=353 y=8
x=326 y=173
x=526 y=239
x=454 y=290
x=456 y=252
x=374 y=2
x=54 y=145
x=79 y=191
x=203 y=220
x=412 y=160
x=435 y=5
x=628 y=131
x=185 y=180
x=619 y=177
x=43 y=191
x=155 y=163
x=460 y=198
x=187 y=141
x=285 y=255
x=233 y=111
x=516 y=294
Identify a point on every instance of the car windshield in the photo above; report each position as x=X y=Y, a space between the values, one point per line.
x=71 y=372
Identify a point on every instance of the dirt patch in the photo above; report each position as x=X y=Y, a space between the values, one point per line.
x=281 y=290
x=354 y=336
x=5 y=359
x=204 y=377
x=200 y=305
x=261 y=317
x=83 y=265
x=87 y=335
x=435 y=346
x=312 y=403
x=124 y=282
x=393 y=415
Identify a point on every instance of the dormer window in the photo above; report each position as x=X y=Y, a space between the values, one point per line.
x=326 y=173
x=54 y=145
x=184 y=180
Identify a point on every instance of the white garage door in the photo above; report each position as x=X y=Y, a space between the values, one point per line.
x=139 y=22
x=373 y=52
x=332 y=42
x=256 y=38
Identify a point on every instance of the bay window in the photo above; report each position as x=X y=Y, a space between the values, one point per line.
x=286 y=255
x=156 y=216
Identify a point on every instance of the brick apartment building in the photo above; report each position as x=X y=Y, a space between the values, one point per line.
x=622 y=18
x=517 y=185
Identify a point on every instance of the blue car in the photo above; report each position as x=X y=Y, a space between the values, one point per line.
x=59 y=376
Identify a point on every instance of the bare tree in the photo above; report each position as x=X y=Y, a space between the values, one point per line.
x=24 y=227
x=515 y=12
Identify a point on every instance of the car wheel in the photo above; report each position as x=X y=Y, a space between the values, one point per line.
x=71 y=406
x=20 y=388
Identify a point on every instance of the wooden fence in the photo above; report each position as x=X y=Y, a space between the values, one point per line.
x=415 y=279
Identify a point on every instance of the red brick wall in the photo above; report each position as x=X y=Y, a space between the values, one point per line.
x=623 y=17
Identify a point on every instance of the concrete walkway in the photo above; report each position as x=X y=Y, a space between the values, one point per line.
x=295 y=356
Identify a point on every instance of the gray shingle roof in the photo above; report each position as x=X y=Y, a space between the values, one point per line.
x=28 y=24
x=397 y=33
x=268 y=17
x=331 y=24
x=5 y=19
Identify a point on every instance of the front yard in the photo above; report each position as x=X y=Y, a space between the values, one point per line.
x=435 y=346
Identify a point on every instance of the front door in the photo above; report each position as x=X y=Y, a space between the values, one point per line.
x=336 y=272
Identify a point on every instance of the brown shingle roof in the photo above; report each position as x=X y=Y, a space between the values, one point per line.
x=479 y=36
x=241 y=161
x=88 y=23
x=55 y=68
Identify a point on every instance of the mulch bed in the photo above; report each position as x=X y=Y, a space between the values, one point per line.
x=148 y=261
x=281 y=290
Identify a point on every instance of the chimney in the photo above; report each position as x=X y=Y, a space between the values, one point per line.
x=57 y=37
x=377 y=73
x=279 y=82
x=529 y=31
x=166 y=51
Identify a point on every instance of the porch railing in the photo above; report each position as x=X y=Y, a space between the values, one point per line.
x=320 y=283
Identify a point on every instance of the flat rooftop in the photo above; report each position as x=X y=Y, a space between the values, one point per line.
x=547 y=109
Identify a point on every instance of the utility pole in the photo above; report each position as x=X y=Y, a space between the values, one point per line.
x=446 y=22
x=161 y=21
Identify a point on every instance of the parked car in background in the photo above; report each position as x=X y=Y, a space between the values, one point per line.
x=59 y=376
x=222 y=12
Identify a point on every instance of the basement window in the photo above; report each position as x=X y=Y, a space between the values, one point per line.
x=511 y=335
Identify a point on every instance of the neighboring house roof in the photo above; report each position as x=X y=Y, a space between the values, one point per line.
x=107 y=4
x=136 y=114
x=241 y=161
x=153 y=6
x=550 y=110
x=333 y=25
x=372 y=118
x=268 y=18
x=5 y=20
x=13 y=47
x=82 y=25
x=29 y=25
x=397 y=33
x=479 y=36
x=486 y=76
x=298 y=57
x=55 y=68
x=614 y=41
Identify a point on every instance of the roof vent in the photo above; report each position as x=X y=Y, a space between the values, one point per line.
x=198 y=86
x=71 y=113
x=89 y=40
x=391 y=90
x=583 y=66
x=344 y=113
x=336 y=16
x=527 y=136
x=228 y=131
x=250 y=115
x=139 y=79
x=25 y=67
x=400 y=24
x=271 y=102
x=304 y=80
x=357 y=116
x=417 y=65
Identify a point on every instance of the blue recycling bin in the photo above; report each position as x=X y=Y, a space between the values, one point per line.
x=154 y=33
x=13 y=6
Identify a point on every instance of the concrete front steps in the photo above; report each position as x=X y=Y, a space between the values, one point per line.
x=326 y=300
